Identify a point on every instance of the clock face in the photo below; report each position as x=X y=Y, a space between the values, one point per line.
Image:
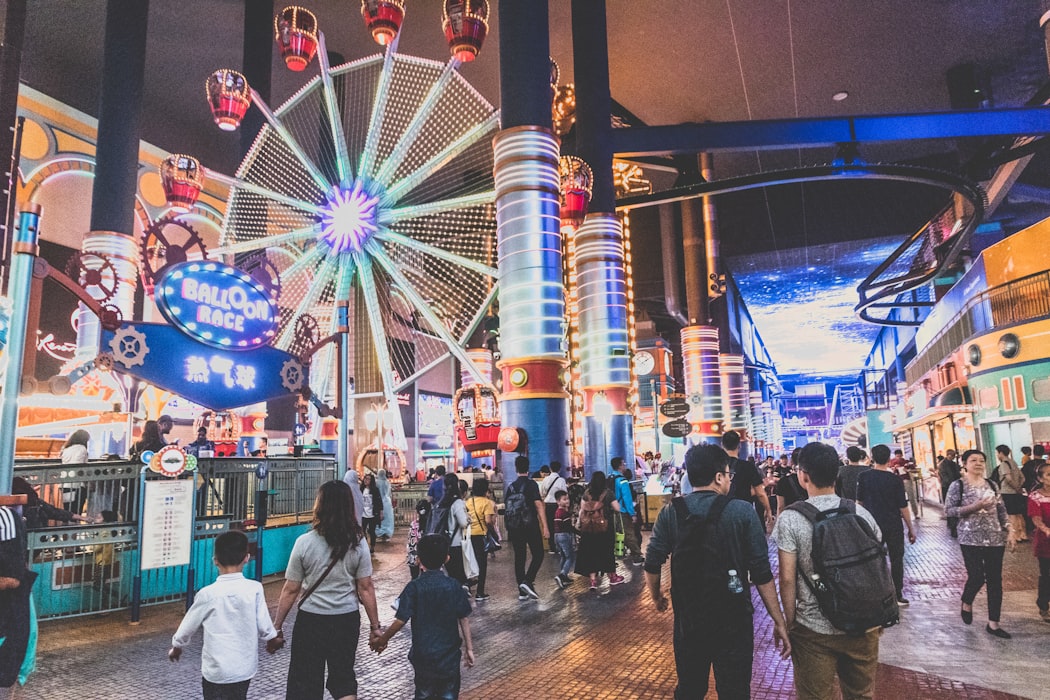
x=644 y=363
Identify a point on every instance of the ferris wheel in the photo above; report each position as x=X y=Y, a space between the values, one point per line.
x=372 y=186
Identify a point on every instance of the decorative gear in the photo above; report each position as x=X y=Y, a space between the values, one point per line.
x=95 y=273
x=104 y=362
x=129 y=347
x=111 y=317
x=168 y=241
x=263 y=271
x=292 y=376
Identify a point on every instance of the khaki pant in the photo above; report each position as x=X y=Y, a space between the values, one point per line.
x=818 y=658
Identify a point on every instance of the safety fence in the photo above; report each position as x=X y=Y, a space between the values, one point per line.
x=90 y=568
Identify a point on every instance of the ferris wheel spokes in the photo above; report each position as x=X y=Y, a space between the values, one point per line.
x=426 y=107
x=396 y=214
x=290 y=141
x=342 y=156
x=310 y=298
x=246 y=246
x=238 y=183
x=375 y=322
x=421 y=305
x=469 y=329
x=385 y=234
x=375 y=120
x=303 y=262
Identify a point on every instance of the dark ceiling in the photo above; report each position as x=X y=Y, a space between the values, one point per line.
x=670 y=62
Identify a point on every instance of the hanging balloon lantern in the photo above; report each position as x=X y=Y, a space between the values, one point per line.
x=228 y=97
x=295 y=30
x=576 y=180
x=466 y=23
x=477 y=419
x=182 y=179
x=383 y=18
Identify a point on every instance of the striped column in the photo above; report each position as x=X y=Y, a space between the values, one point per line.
x=601 y=284
x=703 y=381
x=532 y=294
x=734 y=393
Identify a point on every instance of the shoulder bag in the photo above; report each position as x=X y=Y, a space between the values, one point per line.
x=315 y=584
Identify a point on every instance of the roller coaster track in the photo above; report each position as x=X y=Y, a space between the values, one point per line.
x=939 y=242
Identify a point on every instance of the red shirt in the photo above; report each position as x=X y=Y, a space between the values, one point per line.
x=1039 y=505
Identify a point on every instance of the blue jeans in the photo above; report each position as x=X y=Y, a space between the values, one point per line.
x=446 y=689
x=566 y=543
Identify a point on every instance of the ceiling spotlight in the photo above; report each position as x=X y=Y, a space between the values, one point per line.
x=840 y=96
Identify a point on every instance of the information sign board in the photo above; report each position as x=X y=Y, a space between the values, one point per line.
x=167 y=523
x=675 y=408
x=677 y=428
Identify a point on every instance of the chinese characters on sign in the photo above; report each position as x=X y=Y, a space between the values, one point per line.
x=200 y=370
x=167 y=523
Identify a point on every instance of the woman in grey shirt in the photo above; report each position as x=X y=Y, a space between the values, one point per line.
x=984 y=533
x=332 y=564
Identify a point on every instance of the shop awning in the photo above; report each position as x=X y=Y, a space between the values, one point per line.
x=932 y=416
x=956 y=396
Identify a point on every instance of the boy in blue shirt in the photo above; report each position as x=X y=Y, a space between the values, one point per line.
x=234 y=615
x=438 y=608
x=624 y=494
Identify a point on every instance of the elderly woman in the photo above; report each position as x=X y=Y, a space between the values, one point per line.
x=385 y=530
x=331 y=563
x=984 y=533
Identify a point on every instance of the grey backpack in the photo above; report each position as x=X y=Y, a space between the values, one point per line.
x=852 y=585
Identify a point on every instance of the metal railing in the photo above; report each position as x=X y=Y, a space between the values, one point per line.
x=1024 y=299
x=89 y=568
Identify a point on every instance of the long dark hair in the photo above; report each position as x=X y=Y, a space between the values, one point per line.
x=451 y=490
x=78 y=437
x=596 y=487
x=334 y=517
x=151 y=437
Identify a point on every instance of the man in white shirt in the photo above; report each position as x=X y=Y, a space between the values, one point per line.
x=551 y=485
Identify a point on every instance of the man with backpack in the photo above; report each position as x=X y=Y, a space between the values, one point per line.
x=526 y=521
x=716 y=544
x=834 y=584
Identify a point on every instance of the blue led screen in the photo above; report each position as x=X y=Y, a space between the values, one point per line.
x=802 y=303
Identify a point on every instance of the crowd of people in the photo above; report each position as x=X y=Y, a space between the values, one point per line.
x=827 y=615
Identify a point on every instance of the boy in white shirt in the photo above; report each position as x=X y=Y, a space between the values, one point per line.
x=233 y=613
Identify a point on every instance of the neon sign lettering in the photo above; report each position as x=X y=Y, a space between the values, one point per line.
x=199 y=370
x=217 y=304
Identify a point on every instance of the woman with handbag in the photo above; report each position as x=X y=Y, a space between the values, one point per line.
x=482 y=514
x=594 y=556
x=332 y=561
x=456 y=523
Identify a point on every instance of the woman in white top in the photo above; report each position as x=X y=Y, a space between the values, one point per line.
x=456 y=523
x=75 y=451
x=332 y=564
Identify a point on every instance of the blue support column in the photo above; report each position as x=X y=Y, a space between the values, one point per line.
x=24 y=251
x=529 y=246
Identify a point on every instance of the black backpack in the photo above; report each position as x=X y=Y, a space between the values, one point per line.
x=854 y=588
x=438 y=522
x=518 y=514
x=700 y=565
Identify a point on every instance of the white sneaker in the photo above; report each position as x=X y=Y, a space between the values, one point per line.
x=529 y=591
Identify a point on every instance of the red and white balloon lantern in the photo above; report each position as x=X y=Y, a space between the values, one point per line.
x=295 y=30
x=383 y=18
x=182 y=179
x=228 y=96
x=466 y=23
x=576 y=182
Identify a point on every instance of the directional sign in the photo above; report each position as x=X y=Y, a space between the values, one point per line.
x=675 y=408
x=677 y=428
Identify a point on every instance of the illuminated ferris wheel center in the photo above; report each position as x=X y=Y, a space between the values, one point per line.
x=349 y=218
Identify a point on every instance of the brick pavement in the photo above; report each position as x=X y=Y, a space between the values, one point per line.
x=573 y=644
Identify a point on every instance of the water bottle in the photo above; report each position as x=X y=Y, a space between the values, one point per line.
x=735 y=584
x=818 y=584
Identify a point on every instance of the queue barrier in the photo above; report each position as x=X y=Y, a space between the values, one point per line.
x=88 y=569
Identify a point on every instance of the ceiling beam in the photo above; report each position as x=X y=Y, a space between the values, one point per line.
x=812 y=133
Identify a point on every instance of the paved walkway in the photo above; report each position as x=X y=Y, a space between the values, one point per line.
x=573 y=644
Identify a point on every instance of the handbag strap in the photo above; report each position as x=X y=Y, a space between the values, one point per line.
x=313 y=587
